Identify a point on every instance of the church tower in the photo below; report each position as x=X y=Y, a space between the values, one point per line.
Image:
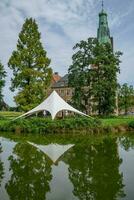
x=103 y=34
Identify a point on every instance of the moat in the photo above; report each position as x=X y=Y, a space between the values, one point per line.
x=65 y=168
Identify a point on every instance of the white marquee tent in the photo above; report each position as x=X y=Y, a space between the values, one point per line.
x=53 y=104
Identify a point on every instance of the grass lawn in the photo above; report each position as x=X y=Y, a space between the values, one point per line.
x=9 y=114
x=121 y=120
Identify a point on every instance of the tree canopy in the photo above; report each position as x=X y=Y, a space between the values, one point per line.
x=30 y=65
x=93 y=74
x=126 y=97
x=2 y=83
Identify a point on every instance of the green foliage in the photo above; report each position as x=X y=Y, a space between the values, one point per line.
x=2 y=117
x=131 y=124
x=117 y=121
x=2 y=83
x=46 y=125
x=104 y=79
x=30 y=65
x=79 y=77
x=68 y=125
x=126 y=97
x=93 y=74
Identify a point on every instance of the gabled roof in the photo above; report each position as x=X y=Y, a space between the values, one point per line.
x=63 y=82
x=55 y=77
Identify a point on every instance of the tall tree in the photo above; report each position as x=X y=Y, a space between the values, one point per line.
x=2 y=83
x=104 y=78
x=79 y=77
x=126 y=97
x=30 y=65
x=94 y=72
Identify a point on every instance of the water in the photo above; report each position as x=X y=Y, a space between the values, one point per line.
x=67 y=168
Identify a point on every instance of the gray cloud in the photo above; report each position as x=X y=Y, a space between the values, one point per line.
x=62 y=23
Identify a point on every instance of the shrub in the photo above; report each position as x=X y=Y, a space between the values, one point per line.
x=46 y=125
x=131 y=124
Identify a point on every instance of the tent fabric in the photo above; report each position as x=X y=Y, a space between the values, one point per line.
x=53 y=104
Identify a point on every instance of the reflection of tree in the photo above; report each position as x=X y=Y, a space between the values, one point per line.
x=31 y=174
x=1 y=166
x=127 y=142
x=94 y=171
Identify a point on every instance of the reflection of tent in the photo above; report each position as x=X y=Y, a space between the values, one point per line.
x=53 y=104
x=53 y=151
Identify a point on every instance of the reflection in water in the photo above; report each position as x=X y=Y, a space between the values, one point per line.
x=127 y=142
x=1 y=166
x=53 y=151
x=31 y=174
x=94 y=171
x=89 y=170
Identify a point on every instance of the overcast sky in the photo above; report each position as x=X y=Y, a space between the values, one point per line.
x=62 y=23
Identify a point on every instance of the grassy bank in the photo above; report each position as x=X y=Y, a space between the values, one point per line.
x=48 y=126
x=119 y=124
x=116 y=121
x=67 y=125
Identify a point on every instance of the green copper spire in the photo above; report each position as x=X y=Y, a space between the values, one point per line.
x=102 y=5
x=103 y=35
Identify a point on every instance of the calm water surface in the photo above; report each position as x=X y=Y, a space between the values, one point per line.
x=67 y=169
